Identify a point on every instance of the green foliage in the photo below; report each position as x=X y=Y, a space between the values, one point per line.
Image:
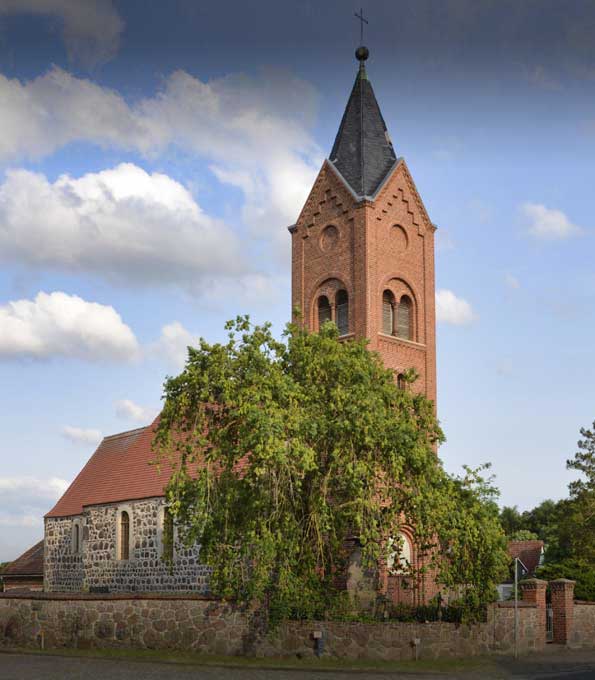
x=568 y=526
x=541 y=522
x=287 y=448
x=451 y=613
x=576 y=569
x=524 y=535
x=577 y=531
x=511 y=520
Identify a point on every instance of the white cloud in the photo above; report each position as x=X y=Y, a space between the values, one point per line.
x=452 y=309
x=128 y=410
x=173 y=344
x=24 y=500
x=91 y=28
x=58 y=324
x=79 y=435
x=511 y=281
x=48 y=489
x=122 y=223
x=548 y=223
x=21 y=520
x=255 y=133
x=55 y=109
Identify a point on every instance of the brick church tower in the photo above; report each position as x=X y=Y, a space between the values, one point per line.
x=363 y=245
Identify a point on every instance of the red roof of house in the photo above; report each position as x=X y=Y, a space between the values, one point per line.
x=529 y=552
x=119 y=470
x=30 y=563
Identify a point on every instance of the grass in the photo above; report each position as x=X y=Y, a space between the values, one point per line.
x=446 y=666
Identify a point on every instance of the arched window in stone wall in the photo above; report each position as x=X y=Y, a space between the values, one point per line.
x=167 y=536
x=388 y=312
x=342 y=312
x=405 y=318
x=324 y=311
x=401 y=382
x=124 y=552
x=76 y=537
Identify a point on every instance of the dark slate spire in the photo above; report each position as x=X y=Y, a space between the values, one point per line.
x=363 y=152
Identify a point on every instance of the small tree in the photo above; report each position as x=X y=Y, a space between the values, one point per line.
x=577 y=529
x=570 y=551
x=285 y=449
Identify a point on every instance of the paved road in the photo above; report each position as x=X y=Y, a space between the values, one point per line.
x=552 y=664
x=555 y=665
x=35 y=667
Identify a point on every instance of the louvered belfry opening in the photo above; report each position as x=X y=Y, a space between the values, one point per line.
x=124 y=536
x=342 y=312
x=388 y=311
x=324 y=311
x=405 y=318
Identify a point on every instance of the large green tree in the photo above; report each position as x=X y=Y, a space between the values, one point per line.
x=569 y=526
x=285 y=449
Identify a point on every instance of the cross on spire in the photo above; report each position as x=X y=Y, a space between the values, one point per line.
x=362 y=21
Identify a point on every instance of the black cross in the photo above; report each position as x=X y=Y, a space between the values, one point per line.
x=362 y=21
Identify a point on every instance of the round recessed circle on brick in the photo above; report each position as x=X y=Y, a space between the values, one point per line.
x=399 y=238
x=329 y=238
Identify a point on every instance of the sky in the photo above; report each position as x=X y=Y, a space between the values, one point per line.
x=153 y=154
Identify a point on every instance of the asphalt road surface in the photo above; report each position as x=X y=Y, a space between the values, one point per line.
x=34 y=667
x=557 y=664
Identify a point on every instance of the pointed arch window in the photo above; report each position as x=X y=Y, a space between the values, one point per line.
x=401 y=382
x=342 y=312
x=401 y=556
x=324 y=311
x=124 y=536
x=76 y=542
x=405 y=318
x=388 y=312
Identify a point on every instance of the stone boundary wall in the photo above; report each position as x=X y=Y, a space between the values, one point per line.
x=583 y=628
x=209 y=626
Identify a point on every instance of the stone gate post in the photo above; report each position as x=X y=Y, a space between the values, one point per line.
x=533 y=591
x=563 y=608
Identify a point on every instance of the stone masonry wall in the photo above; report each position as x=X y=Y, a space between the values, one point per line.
x=62 y=569
x=208 y=626
x=97 y=565
x=583 y=625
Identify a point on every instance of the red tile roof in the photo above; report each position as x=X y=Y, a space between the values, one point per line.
x=529 y=552
x=119 y=470
x=30 y=563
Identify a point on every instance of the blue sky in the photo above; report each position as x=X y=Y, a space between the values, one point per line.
x=153 y=154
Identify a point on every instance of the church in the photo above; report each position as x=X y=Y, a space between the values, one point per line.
x=362 y=255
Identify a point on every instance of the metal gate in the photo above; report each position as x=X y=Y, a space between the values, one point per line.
x=549 y=623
